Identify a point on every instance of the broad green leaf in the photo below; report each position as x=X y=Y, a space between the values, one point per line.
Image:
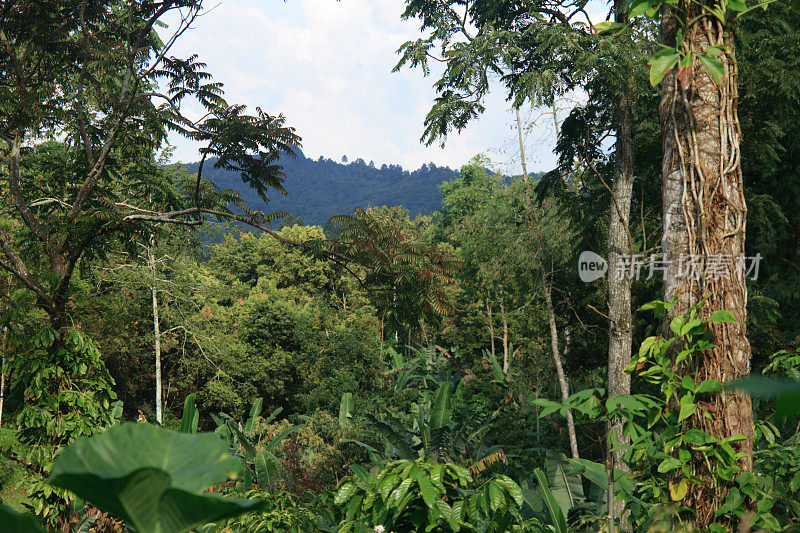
x=688 y=407
x=785 y=394
x=564 y=484
x=737 y=5
x=694 y=436
x=428 y=491
x=661 y=63
x=151 y=477
x=16 y=522
x=266 y=469
x=638 y=7
x=252 y=419
x=346 y=407
x=721 y=315
x=285 y=433
x=558 y=521
x=670 y=463
x=190 y=417
x=677 y=324
x=608 y=26
x=441 y=410
x=346 y=490
x=708 y=385
x=495 y=497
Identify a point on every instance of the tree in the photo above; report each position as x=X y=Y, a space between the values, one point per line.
x=90 y=71
x=705 y=213
x=540 y=52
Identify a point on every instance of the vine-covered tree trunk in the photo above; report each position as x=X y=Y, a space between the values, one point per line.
x=704 y=227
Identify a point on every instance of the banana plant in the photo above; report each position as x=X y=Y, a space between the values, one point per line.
x=252 y=447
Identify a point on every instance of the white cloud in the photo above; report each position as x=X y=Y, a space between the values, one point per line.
x=326 y=65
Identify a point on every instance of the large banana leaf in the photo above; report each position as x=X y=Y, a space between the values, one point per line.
x=393 y=437
x=565 y=485
x=557 y=517
x=15 y=522
x=346 y=407
x=442 y=409
x=255 y=412
x=151 y=477
x=191 y=416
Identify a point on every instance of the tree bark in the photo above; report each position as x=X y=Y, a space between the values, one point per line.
x=562 y=379
x=490 y=326
x=620 y=329
x=151 y=263
x=505 y=337
x=704 y=224
x=3 y=373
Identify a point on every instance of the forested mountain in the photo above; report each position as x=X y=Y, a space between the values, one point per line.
x=320 y=188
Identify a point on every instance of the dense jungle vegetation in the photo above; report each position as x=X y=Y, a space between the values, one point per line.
x=174 y=358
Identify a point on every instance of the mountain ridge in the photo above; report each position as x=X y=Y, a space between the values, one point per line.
x=320 y=188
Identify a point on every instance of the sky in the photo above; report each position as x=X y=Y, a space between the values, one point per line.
x=327 y=65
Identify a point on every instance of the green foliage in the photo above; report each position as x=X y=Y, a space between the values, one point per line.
x=151 y=477
x=16 y=522
x=663 y=448
x=417 y=495
x=279 y=512
x=69 y=396
x=255 y=451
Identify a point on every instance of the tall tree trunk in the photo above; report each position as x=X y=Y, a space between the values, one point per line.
x=704 y=220
x=3 y=373
x=490 y=326
x=506 y=359
x=151 y=263
x=620 y=329
x=562 y=380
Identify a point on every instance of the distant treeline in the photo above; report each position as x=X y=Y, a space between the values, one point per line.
x=318 y=189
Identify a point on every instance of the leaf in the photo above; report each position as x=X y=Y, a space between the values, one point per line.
x=285 y=433
x=737 y=5
x=441 y=411
x=608 y=26
x=678 y=490
x=15 y=522
x=426 y=488
x=716 y=70
x=266 y=469
x=255 y=412
x=190 y=417
x=346 y=490
x=670 y=463
x=638 y=7
x=565 y=485
x=151 y=477
x=785 y=394
x=558 y=521
x=660 y=63
x=346 y=407
x=495 y=497
x=708 y=385
x=721 y=315
x=688 y=407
